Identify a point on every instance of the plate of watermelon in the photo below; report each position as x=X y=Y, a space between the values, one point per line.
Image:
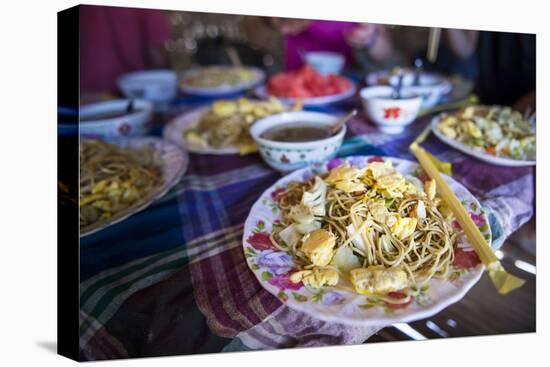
x=308 y=86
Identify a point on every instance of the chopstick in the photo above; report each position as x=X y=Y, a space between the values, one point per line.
x=471 y=100
x=433 y=44
x=502 y=280
x=233 y=56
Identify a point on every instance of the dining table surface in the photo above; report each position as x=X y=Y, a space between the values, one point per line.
x=173 y=279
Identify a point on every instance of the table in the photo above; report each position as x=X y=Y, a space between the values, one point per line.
x=173 y=279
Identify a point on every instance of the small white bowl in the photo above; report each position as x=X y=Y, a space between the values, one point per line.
x=157 y=86
x=289 y=156
x=325 y=62
x=136 y=123
x=391 y=115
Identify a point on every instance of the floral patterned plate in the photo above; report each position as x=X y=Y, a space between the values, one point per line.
x=174 y=164
x=273 y=267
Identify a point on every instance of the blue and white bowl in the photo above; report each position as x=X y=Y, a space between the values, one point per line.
x=289 y=156
x=136 y=123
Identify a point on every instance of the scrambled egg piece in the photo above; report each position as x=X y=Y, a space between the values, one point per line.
x=349 y=186
x=468 y=112
x=224 y=108
x=194 y=138
x=378 y=279
x=379 y=169
x=346 y=178
x=318 y=246
x=247 y=148
x=378 y=211
x=410 y=189
x=403 y=227
x=448 y=126
x=117 y=192
x=470 y=128
x=392 y=185
x=448 y=131
x=315 y=277
x=245 y=106
x=390 y=181
x=430 y=189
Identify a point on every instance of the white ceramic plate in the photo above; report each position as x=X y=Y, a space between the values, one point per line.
x=479 y=154
x=314 y=101
x=174 y=164
x=222 y=89
x=271 y=266
x=174 y=132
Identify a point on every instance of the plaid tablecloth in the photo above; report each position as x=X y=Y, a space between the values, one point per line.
x=173 y=279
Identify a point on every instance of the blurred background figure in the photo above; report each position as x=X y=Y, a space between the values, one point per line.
x=373 y=47
x=369 y=41
x=122 y=40
x=455 y=55
x=507 y=69
x=502 y=65
x=118 y=41
x=301 y=36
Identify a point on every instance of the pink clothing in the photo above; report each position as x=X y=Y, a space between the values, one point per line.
x=320 y=35
x=114 y=41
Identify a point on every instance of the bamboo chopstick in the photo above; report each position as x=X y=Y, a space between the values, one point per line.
x=502 y=280
x=433 y=44
x=234 y=56
x=470 y=100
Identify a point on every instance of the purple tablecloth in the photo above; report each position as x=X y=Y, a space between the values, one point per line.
x=173 y=279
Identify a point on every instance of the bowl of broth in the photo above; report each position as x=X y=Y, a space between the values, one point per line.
x=110 y=119
x=292 y=140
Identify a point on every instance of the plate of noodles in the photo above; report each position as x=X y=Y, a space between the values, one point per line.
x=363 y=241
x=223 y=126
x=494 y=134
x=120 y=177
x=212 y=81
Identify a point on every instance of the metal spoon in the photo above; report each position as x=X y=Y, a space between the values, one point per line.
x=336 y=127
x=397 y=90
x=130 y=106
x=418 y=63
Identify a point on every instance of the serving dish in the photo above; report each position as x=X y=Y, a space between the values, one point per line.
x=173 y=164
x=274 y=265
x=198 y=81
x=486 y=152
